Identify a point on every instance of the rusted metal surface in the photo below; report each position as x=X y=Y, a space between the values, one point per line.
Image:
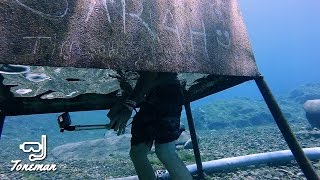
x=61 y=89
x=205 y=36
x=24 y=105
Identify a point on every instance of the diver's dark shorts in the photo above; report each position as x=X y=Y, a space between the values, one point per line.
x=159 y=116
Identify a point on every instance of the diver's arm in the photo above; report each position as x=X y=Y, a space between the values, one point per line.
x=120 y=113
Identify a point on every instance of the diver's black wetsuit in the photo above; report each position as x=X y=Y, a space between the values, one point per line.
x=159 y=116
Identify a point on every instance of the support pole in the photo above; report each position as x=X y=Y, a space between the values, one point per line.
x=2 y=117
x=3 y=95
x=195 y=145
x=285 y=129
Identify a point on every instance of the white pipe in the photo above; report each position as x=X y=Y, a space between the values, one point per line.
x=228 y=164
x=284 y=156
x=127 y=178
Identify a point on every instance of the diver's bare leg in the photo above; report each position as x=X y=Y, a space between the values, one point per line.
x=138 y=154
x=168 y=156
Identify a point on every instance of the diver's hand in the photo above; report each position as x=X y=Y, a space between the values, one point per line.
x=119 y=115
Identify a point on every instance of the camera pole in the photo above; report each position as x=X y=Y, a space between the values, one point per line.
x=84 y=127
x=64 y=122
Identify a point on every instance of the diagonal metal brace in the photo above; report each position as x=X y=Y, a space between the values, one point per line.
x=194 y=141
x=4 y=94
x=285 y=129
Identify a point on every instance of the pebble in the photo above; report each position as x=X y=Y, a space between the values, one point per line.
x=250 y=178
x=115 y=166
x=300 y=174
x=268 y=176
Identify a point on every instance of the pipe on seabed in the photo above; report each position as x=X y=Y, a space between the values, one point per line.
x=232 y=163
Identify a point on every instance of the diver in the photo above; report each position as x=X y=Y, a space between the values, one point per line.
x=160 y=100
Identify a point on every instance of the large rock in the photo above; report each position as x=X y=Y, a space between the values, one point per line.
x=306 y=92
x=246 y=112
x=183 y=138
x=233 y=113
x=101 y=148
x=312 y=108
x=93 y=149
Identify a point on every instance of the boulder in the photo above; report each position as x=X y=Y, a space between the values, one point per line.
x=180 y=142
x=305 y=92
x=232 y=113
x=185 y=140
x=312 y=108
x=94 y=149
x=101 y=148
x=188 y=144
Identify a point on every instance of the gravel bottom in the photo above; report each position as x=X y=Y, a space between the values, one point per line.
x=213 y=145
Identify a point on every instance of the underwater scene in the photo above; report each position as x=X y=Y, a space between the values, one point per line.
x=234 y=127
x=237 y=135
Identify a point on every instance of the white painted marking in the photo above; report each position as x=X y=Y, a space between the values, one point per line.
x=49 y=96
x=70 y=48
x=137 y=16
x=10 y=69
x=93 y=4
x=123 y=3
x=196 y=33
x=72 y=93
x=171 y=29
x=37 y=41
x=23 y=91
x=49 y=16
x=91 y=7
x=37 y=77
x=226 y=35
x=107 y=11
x=67 y=44
x=58 y=70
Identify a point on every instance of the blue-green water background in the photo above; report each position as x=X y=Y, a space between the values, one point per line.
x=285 y=37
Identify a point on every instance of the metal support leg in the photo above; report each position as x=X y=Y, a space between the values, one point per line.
x=3 y=95
x=284 y=127
x=194 y=140
x=2 y=117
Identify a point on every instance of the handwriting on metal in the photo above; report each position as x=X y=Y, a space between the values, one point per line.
x=111 y=33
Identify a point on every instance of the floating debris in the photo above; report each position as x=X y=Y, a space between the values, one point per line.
x=37 y=77
x=14 y=69
x=23 y=91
